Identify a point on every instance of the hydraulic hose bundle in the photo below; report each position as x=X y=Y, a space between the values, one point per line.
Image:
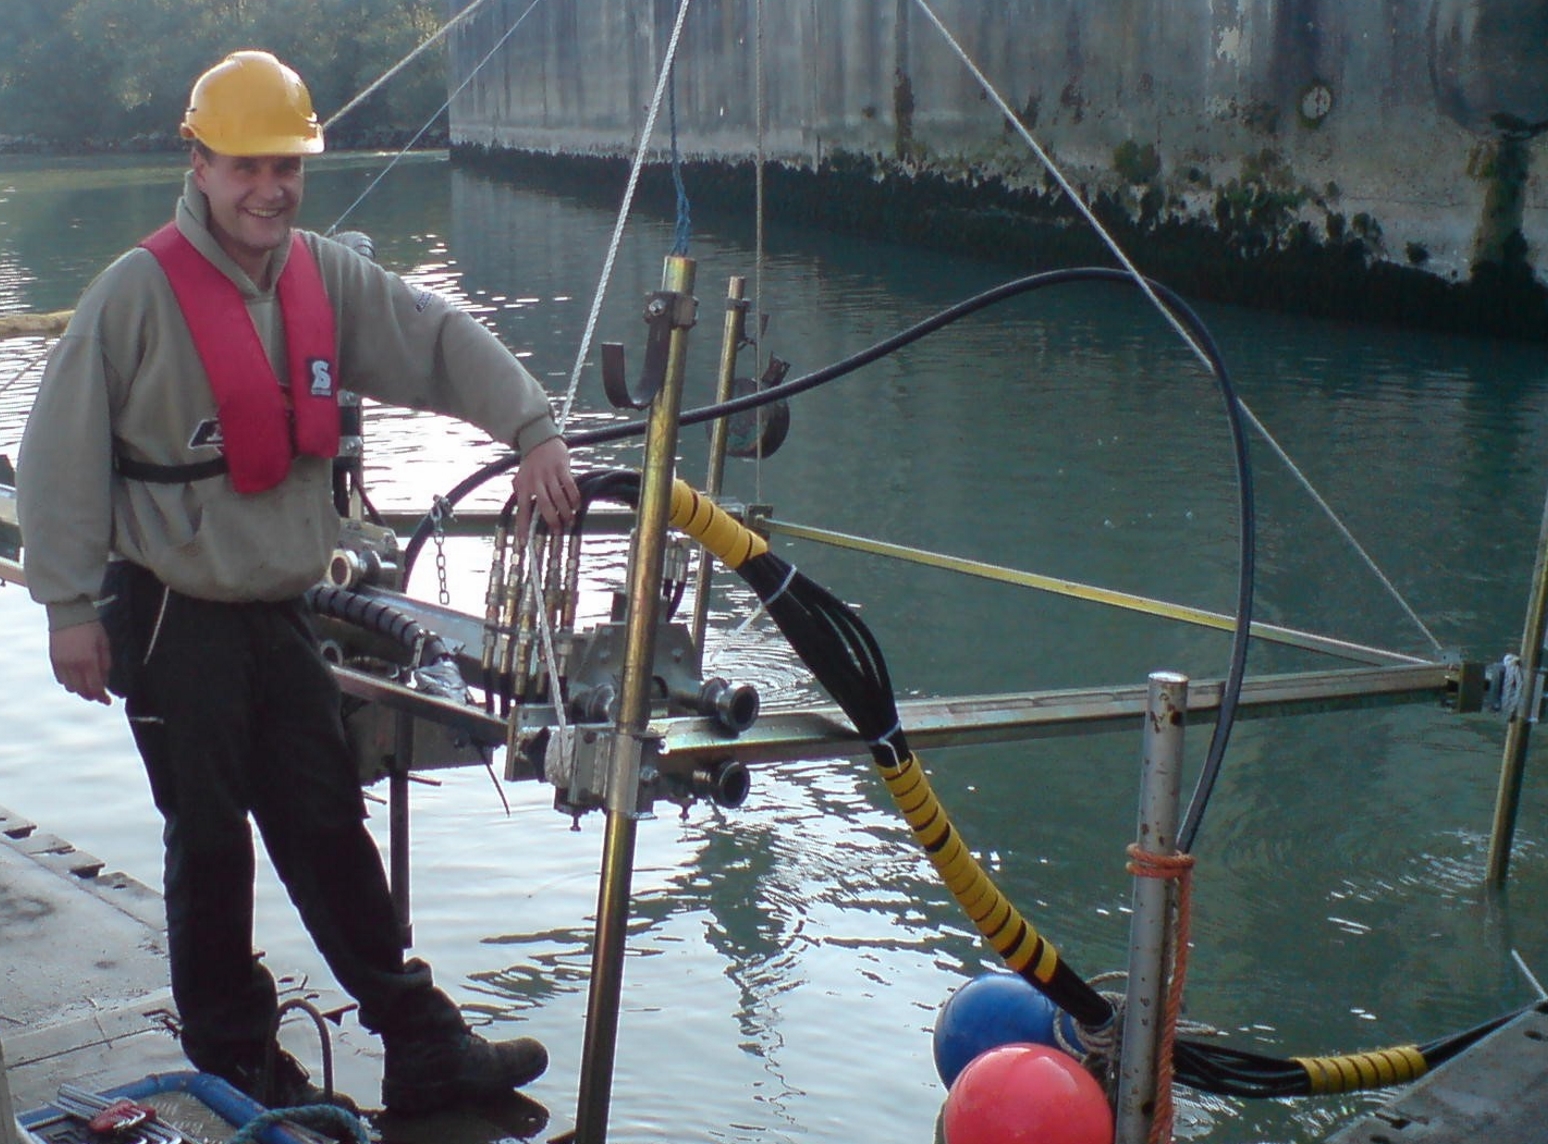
x=844 y=657
x=1230 y=695
x=432 y=665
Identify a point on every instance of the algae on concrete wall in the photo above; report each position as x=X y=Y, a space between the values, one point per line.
x=1298 y=153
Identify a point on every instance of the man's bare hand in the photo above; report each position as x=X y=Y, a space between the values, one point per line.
x=81 y=660
x=544 y=480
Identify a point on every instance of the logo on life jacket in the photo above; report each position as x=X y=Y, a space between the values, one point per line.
x=321 y=371
x=207 y=435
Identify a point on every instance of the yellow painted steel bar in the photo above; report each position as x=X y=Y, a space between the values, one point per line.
x=1197 y=616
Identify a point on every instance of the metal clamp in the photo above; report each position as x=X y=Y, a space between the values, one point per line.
x=599 y=779
x=665 y=311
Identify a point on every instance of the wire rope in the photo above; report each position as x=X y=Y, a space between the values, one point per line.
x=382 y=79
x=535 y=587
x=1015 y=123
x=623 y=217
x=1220 y=738
x=478 y=67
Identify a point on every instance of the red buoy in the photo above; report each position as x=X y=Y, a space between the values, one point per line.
x=1026 y=1094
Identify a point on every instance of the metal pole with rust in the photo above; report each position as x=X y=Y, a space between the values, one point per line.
x=731 y=341
x=628 y=748
x=1150 y=927
x=1518 y=732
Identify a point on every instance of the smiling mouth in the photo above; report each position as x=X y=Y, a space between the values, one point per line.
x=259 y=213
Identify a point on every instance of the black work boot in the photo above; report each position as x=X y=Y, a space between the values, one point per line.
x=289 y=1085
x=423 y=1076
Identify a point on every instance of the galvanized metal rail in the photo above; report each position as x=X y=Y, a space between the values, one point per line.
x=823 y=731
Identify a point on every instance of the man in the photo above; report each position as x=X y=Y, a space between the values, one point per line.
x=176 y=500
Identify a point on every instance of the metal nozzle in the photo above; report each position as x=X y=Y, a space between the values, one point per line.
x=725 y=783
x=734 y=709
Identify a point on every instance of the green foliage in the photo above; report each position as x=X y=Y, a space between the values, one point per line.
x=77 y=73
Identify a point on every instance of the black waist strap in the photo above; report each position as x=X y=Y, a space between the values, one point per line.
x=167 y=474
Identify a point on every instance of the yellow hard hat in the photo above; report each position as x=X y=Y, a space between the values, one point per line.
x=251 y=104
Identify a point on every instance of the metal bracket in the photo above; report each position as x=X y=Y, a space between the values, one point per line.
x=665 y=311
x=593 y=785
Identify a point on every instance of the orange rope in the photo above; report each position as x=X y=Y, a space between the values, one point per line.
x=1177 y=868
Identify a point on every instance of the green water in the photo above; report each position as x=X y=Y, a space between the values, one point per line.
x=787 y=958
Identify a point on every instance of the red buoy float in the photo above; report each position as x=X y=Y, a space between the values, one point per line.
x=1026 y=1094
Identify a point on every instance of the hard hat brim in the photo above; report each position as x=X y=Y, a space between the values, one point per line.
x=260 y=145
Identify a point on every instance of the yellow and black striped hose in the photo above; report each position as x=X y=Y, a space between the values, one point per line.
x=843 y=656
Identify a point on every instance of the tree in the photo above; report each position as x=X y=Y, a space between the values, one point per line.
x=115 y=72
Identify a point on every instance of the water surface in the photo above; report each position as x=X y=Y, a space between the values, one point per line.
x=786 y=959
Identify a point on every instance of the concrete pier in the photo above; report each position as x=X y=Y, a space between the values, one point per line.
x=85 y=999
x=84 y=992
x=1497 y=1091
x=84 y=987
x=1289 y=153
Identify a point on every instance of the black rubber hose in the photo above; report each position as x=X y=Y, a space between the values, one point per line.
x=1231 y=694
x=378 y=616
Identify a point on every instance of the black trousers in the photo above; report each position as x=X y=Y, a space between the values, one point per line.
x=236 y=713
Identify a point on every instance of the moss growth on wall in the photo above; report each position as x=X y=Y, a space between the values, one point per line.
x=1135 y=163
x=1255 y=250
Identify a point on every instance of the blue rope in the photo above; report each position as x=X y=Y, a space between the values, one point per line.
x=323 y=1117
x=684 y=227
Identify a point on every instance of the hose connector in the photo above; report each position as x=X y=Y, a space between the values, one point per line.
x=733 y=708
x=726 y=783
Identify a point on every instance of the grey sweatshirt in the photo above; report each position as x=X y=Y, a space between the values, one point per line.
x=126 y=368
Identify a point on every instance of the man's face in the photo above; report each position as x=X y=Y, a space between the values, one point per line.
x=253 y=202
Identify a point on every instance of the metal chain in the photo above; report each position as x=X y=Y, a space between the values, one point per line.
x=440 y=512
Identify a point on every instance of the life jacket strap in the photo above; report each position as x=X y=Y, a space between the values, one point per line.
x=130 y=469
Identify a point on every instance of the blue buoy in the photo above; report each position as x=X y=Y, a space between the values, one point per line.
x=993 y=1009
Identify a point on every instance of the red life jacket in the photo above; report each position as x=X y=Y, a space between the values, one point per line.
x=262 y=423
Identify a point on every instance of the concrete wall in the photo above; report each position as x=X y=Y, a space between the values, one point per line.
x=1410 y=126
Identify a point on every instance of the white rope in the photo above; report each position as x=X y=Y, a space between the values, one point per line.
x=763 y=605
x=478 y=67
x=1512 y=683
x=535 y=584
x=439 y=35
x=1014 y=121
x=623 y=215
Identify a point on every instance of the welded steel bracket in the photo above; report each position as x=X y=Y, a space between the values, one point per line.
x=665 y=311
x=592 y=769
